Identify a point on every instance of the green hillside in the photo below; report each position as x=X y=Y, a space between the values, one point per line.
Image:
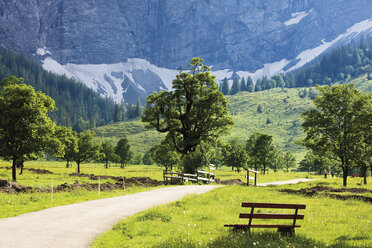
x=282 y=108
x=140 y=139
x=280 y=117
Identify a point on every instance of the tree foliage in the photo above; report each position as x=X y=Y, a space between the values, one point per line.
x=289 y=160
x=235 y=88
x=164 y=154
x=86 y=149
x=68 y=139
x=122 y=150
x=225 y=87
x=340 y=124
x=261 y=151
x=235 y=155
x=194 y=112
x=107 y=153
x=25 y=127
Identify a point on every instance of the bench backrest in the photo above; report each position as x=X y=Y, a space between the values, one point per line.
x=273 y=205
x=254 y=205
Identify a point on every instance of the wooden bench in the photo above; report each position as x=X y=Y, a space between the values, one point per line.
x=288 y=229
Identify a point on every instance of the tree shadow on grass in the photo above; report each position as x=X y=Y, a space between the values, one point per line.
x=239 y=239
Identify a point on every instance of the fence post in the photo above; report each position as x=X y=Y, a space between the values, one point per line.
x=247 y=177
x=255 y=179
x=99 y=186
x=51 y=189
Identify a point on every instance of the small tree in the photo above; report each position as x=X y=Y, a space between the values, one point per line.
x=68 y=139
x=261 y=150
x=86 y=149
x=235 y=155
x=107 y=153
x=147 y=158
x=243 y=85
x=277 y=161
x=122 y=149
x=289 y=160
x=235 y=88
x=259 y=109
x=163 y=154
x=25 y=127
x=250 y=86
x=279 y=80
x=225 y=87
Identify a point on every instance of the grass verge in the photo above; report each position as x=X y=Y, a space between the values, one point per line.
x=16 y=204
x=197 y=221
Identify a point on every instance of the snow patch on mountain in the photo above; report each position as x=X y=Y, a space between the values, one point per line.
x=43 y=51
x=352 y=32
x=268 y=70
x=297 y=17
x=136 y=77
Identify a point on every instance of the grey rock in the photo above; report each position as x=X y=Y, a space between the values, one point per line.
x=235 y=34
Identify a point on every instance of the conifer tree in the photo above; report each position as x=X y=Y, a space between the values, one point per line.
x=243 y=86
x=258 y=86
x=250 y=86
x=138 y=110
x=225 y=87
x=235 y=88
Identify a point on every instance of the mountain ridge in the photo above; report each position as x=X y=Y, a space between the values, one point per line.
x=244 y=38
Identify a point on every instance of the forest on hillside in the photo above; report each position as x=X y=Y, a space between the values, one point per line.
x=76 y=103
x=78 y=106
x=339 y=65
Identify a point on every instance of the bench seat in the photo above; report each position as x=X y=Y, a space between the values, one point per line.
x=277 y=216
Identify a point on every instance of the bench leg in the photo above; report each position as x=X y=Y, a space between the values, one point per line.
x=246 y=229
x=286 y=230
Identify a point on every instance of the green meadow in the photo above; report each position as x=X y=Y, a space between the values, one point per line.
x=280 y=117
x=15 y=204
x=197 y=221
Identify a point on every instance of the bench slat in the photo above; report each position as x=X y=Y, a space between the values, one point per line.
x=272 y=205
x=272 y=216
x=258 y=226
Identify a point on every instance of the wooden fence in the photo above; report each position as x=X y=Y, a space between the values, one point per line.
x=251 y=178
x=200 y=176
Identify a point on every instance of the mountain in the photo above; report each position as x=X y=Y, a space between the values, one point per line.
x=127 y=49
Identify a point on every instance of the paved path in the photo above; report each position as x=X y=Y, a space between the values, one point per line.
x=294 y=181
x=77 y=225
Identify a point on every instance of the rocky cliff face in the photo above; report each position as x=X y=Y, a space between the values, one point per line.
x=94 y=40
x=235 y=34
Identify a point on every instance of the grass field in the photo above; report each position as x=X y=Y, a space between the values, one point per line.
x=62 y=174
x=197 y=221
x=15 y=204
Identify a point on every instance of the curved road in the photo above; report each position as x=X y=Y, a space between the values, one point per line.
x=77 y=225
x=293 y=181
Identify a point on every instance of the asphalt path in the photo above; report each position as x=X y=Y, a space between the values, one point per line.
x=77 y=225
x=294 y=181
